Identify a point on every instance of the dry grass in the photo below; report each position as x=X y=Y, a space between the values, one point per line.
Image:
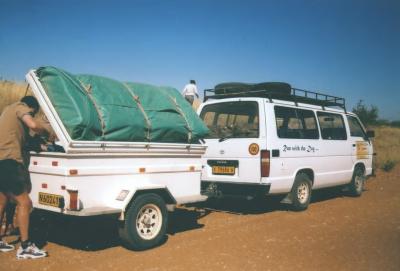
x=387 y=144
x=11 y=92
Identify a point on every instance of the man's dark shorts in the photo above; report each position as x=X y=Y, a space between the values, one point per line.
x=14 y=177
x=190 y=99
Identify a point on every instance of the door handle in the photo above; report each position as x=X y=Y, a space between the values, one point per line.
x=354 y=145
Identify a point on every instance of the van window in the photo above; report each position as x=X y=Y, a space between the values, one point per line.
x=356 y=129
x=332 y=126
x=231 y=119
x=295 y=123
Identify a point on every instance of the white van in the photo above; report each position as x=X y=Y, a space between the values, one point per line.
x=270 y=138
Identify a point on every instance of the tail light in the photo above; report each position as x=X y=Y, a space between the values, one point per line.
x=265 y=163
x=73 y=200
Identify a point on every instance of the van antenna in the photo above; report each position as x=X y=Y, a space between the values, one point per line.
x=26 y=90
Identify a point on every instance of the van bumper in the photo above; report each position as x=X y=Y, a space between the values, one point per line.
x=220 y=189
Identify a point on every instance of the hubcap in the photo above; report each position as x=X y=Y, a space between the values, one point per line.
x=303 y=193
x=149 y=221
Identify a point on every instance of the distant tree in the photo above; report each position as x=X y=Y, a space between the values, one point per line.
x=395 y=123
x=382 y=122
x=367 y=114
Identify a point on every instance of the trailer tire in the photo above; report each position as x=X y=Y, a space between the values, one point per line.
x=145 y=222
x=301 y=192
x=356 y=185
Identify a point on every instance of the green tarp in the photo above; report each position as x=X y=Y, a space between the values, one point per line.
x=96 y=108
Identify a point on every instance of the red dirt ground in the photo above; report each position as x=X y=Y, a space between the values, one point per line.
x=335 y=233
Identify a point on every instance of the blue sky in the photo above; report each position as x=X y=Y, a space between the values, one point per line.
x=344 y=48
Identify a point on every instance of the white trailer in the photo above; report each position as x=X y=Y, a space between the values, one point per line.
x=138 y=181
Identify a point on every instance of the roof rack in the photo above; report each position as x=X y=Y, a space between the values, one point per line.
x=291 y=94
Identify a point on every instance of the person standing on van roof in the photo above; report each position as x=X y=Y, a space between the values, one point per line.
x=189 y=91
x=15 y=122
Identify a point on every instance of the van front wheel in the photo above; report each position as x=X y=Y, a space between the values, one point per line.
x=145 y=222
x=301 y=192
x=356 y=186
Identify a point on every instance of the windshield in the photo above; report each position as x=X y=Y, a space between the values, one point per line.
x=231 y=119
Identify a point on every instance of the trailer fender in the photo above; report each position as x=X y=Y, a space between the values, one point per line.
x=162 y=191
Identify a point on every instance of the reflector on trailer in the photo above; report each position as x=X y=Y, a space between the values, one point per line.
x=73 y=200
x=122 y=195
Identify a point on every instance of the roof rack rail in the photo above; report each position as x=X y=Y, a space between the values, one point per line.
x=271 y=90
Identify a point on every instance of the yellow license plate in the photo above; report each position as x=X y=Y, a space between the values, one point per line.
x=49 y=199
x=220 y=170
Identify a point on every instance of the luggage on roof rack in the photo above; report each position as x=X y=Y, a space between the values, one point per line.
x=277 y=88
x=273 y=90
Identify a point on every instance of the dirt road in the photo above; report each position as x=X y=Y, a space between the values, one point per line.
x=335 y=233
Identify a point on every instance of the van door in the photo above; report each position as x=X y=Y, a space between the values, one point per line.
x=236 y=138
x=336 y=165
x=361 y=147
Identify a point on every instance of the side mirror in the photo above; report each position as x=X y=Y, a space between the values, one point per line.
x=370 y=133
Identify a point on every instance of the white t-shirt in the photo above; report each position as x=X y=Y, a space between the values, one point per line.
x=190 y=90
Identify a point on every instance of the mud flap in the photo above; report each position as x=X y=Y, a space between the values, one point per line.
x=288 y=199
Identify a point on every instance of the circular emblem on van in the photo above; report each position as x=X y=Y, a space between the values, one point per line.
x=221 y=152
x=254 y=148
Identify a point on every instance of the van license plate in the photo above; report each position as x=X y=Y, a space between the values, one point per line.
x=223 y=170
x=49 y=199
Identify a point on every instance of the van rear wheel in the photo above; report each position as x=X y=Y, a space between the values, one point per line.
x=301 y=192
x=356 y=185
x=145 y=223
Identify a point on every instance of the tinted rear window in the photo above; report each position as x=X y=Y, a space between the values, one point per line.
x=231 y=119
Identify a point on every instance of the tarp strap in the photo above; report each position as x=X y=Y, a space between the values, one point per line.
x=139 y=104
x=180 y=111
x=88 y=89
x=89 y=94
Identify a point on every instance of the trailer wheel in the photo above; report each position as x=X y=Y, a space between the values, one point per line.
x=356 y=185
x=301 y=192
x=145 y=222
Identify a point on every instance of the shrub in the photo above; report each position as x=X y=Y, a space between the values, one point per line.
x=388 y=165
x=367 y=115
